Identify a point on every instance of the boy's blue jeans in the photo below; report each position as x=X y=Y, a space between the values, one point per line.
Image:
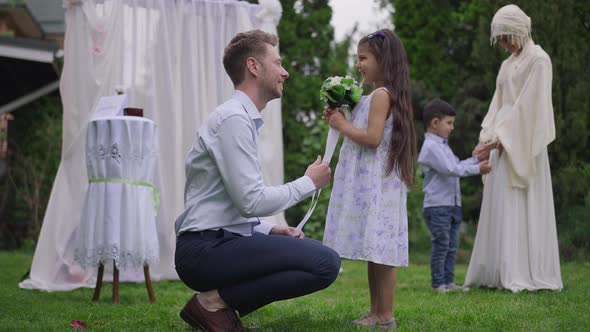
x=443 y=222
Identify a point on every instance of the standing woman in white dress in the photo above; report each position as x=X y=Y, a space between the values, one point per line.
x=516 y=243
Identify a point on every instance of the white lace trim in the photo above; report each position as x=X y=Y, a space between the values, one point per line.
x=123 y=259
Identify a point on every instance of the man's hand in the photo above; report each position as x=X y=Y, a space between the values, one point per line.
x=319 y=173
x=485 y=167
x=287 y=231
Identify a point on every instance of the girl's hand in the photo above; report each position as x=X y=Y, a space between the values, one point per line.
x=336 y=120
x=328 y=111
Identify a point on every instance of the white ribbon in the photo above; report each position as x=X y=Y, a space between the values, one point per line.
x=331 y=142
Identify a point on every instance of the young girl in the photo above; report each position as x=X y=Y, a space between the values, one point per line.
x=367 y=217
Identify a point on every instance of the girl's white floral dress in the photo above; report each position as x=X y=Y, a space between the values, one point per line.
x=367 y=217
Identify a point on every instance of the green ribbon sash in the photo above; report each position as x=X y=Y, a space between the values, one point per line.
x=155 y=191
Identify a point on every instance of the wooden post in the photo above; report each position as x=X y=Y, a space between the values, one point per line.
x=115 y=284
x=98 y=282
x=148 y=283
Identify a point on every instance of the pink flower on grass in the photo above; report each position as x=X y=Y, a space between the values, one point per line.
x=76 y=324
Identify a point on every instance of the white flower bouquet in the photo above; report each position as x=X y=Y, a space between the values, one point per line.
x=337 y=91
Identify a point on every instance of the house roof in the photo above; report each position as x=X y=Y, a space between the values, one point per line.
x=49 y=14
x=30 y=52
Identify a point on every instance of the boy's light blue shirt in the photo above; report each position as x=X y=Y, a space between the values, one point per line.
x=224 y=187
x=442 y=170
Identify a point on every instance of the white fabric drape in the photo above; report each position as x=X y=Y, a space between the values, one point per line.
x=168 y=57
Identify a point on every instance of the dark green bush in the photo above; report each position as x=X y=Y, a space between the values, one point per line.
x=35 y=150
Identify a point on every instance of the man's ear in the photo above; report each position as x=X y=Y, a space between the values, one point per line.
x=252 y=66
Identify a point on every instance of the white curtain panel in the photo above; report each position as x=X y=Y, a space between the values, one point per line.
x=167 y=55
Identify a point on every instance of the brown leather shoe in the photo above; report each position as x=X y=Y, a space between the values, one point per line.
x=224 y=320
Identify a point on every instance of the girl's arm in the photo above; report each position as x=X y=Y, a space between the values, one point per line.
x=373 y=135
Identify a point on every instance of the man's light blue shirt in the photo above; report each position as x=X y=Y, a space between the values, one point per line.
x=442 y=170
x=224 y=187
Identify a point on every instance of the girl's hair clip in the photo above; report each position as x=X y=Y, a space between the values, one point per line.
x=377 y=34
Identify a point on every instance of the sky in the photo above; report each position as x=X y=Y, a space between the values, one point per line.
x=345 y=13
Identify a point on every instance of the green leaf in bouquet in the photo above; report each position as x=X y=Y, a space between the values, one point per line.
x=347 y=101
x=323 y=90
x=336 y=94
x=355 y=94
x=348 y=82
x=323 y=87
x=323 y=95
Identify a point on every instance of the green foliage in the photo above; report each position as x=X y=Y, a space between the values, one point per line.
x=310 y=56
x=418 y=233
x=450 y=57
x=574 y=233
x=35 y=144
x=573 y=230
x=417 y=308
x=14 y=3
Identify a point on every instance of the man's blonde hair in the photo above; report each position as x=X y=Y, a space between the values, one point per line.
x=241 y=47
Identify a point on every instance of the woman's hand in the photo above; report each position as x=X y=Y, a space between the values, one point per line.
x=500 y=149
x=482 y=150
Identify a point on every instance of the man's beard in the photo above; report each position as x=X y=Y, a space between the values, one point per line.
x=271 y=91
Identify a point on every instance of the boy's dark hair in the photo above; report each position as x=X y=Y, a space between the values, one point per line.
x=436 y=109
x=243 y=45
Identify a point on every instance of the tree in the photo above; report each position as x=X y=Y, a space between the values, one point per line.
x=35 y=146
x=309 y=55
x=451 y=57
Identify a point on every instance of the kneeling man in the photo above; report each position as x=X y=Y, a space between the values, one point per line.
x=237 y=262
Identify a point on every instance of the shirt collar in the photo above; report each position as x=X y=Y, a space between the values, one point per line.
x=251 y=109
x=436 y=138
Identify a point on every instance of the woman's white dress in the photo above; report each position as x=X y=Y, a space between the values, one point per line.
x=516 y=242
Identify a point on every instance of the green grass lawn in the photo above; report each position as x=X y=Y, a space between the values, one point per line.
x=417 y=308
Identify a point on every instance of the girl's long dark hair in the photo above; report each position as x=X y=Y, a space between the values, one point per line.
x=389 y=51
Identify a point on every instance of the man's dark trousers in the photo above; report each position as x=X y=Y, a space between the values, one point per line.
x=252 y=271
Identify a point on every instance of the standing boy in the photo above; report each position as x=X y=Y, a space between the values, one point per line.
x=442 y=194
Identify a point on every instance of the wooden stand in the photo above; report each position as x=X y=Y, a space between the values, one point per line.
x=148 y=283
x=146 y=274
x=98 y=282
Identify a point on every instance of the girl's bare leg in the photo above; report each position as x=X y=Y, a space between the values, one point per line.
x=385 y=276
x=369 y=319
